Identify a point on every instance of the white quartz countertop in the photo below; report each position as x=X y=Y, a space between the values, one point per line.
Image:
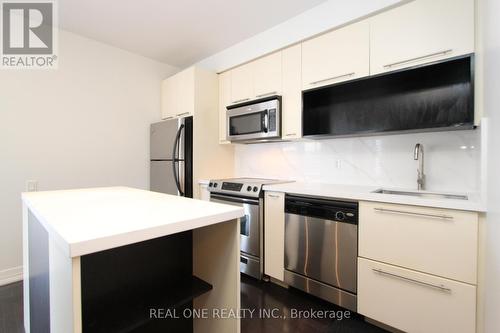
x=364 y=193
x=85 y=221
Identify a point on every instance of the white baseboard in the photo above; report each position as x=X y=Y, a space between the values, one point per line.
x=11 y=275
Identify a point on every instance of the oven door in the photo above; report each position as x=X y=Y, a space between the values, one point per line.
x=249 y=224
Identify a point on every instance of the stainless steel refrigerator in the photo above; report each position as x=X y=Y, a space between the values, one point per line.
x=171 y=153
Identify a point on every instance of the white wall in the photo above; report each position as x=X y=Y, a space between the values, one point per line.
x=83 y=125
x=326 y=16
x=491 y=48
x=452 y=160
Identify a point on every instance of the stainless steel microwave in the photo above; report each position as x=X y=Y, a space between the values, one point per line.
x=254 y=120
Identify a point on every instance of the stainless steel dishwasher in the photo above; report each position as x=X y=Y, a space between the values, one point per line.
x=321 y=248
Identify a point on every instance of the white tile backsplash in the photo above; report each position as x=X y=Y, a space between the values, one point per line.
x=452 y=160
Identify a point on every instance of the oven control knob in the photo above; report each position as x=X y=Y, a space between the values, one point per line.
x=249 y=188
x=340 y=216
x=255 y=188
x=210 y=185
x=215 y=185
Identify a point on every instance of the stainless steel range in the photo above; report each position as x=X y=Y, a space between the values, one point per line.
x=246 y=193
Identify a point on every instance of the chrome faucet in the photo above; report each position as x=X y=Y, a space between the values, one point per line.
x=418 y=155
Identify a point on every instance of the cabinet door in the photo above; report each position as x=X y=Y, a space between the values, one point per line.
x=274 y=235
x=415 y=302
x=168 y=99
x=419 y=32
x=224 y=101
x=204 y=193
x=337 y=56
x=267 y=75
x=436 y=241
x=177 y=95
x=242 y=83
x=185 y=90
x=292 y=93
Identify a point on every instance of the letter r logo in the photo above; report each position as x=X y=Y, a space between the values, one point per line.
x=27 y=27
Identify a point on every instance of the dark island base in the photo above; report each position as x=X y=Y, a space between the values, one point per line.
x=123 y=287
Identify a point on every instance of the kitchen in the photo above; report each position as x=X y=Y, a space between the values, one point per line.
x=344 y=152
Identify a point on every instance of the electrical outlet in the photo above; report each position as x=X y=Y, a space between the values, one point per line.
x=31 y=185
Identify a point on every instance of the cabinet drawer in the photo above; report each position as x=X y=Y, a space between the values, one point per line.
x=435 y=241
x=415 y=302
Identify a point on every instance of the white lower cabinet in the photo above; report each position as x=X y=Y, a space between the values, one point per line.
x=204 y=194
x=274 y=235
x=415 y=302
x=437 y=241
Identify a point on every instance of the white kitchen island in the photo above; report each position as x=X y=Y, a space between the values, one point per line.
x=120 y=259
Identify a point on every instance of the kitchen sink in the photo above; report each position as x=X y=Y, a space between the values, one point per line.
x=429 y=195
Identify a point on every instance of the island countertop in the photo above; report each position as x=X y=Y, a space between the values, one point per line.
x=90 y=220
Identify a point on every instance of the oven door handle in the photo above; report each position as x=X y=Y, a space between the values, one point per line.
x=234 y=199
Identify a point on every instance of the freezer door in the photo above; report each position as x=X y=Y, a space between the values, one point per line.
x=162 y=177
x=162 y=139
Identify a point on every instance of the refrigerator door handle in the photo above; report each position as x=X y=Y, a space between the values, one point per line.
x=175 y=159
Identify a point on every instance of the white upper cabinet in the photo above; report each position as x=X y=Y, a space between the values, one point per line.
x=257 y=79
x=421 y=31
x=177 y=95
x=224 y=100
x=336 y=56
x=292 y=93
x=267 y=78
x=168 y=99
x=242 y=89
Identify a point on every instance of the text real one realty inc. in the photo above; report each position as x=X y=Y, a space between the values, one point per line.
x=225 y=313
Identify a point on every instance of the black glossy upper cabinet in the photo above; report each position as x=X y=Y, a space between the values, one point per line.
x=432 y=97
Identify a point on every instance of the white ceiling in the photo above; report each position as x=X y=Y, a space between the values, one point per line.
x=178 y=33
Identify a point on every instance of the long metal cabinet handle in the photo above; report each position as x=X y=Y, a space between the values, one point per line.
x=182 y=114
x=291 y=134
x=333 y=78
x=417 y=58
x=267 y=94
x=425 y=284
x=402 y=212
x=241 y=100
x=273 y=196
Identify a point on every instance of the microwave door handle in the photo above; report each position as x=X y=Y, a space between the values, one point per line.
x=266 y=122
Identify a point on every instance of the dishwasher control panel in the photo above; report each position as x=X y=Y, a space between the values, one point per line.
x=335 y=210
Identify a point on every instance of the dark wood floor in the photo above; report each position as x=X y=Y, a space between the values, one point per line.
x=264 y=295
x=255 y=295
x=11 y=308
